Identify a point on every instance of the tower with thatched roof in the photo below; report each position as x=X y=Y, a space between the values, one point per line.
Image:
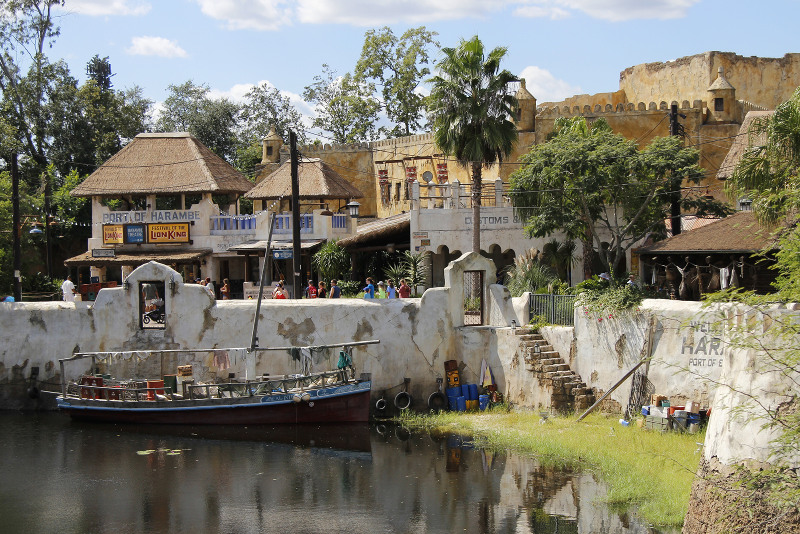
x=165 y=197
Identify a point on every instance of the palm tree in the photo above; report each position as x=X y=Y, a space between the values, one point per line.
x=471 y=108
x=769 y=171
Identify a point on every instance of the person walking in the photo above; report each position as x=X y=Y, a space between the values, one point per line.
x=209 y=285
x=68 y=290
x=391 y=291
x=404 y=290
x=225 y=289
x=322 y=291
x=336 y=291
x=311 y=290
x=381 y=293
x=369 y=290
x=279 y=293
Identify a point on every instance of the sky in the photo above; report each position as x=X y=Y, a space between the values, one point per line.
x=560 y=47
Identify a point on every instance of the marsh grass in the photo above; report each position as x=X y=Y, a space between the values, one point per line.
x=648 y=470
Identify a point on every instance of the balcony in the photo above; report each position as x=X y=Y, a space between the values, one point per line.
x=233 y=225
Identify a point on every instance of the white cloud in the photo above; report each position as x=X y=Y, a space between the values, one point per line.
x=155 y=46
x=376 y=12
x=248 y=14
x=539 y=11
x=97 y=8
x=546 y=87
x=611 y=10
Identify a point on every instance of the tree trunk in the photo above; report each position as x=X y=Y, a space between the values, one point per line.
x=588 y=253
x=476 y=207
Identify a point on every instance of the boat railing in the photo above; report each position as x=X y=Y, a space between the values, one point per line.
x=137 y=391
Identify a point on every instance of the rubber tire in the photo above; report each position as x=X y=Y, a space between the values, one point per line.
x=402 y=400
x=381 y=405
x=437 y=401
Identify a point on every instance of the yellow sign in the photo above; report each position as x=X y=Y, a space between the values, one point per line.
x=168 y=233
x=113 y=234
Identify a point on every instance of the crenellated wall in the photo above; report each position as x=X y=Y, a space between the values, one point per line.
x=763 y=81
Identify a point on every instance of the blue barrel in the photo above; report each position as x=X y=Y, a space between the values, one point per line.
x=461 y=404
x=465 y=391
x=483 y=401
x=452 y=393
x=473 y=392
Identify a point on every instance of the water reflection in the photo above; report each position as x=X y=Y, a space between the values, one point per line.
x=69 y=477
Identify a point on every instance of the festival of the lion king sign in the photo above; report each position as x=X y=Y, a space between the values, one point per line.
x=117 y=234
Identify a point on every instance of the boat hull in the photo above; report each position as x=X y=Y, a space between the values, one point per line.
x=339 y=404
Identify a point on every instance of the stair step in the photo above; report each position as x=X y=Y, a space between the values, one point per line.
x=551 y=361
x=558 y=367
x=532 y=337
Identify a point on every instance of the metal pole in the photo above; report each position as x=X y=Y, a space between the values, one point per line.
x=254 y=340
x=297 y=260
x=17 y=229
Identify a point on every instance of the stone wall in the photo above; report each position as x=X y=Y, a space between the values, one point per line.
x=416 y=335
x=763 y=81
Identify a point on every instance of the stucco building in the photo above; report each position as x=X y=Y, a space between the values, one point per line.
x=713 y=92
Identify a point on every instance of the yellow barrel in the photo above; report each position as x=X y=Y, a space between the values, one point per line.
x=452 y=379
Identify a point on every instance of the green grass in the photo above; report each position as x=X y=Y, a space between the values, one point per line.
x=648 y=470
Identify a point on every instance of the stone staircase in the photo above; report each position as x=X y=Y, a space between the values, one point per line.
x=567 y=390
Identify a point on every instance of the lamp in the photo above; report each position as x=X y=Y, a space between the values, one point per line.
x=36 y=229
x=536 y=349
x=353 y=208
x=172 y=284
x=126 y=285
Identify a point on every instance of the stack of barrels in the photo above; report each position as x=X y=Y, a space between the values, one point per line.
x=460 y=397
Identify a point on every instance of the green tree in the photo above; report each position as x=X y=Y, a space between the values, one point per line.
x=264 y=108
x=345 y=107
x=768 y=172
x=188 y=108
x=397 y=66
x=471 y=108
x=583 y=180
x=331 y=260
x=529 y=273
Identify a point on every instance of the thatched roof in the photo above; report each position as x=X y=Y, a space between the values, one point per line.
x=163 y=163
x=738 y=233
x=743 y=141
x=167 y=257
x=396 y=228
x=317 y=180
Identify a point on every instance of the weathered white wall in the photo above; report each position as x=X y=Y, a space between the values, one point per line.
x=686 y=356
x=417 y=335
x=691 y=361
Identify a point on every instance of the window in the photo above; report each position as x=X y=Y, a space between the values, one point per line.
x=719 y=104
x=269 y=151
x=151 y=305
x=397 y=191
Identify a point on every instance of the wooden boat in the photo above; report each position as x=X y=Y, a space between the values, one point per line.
x=325 y=397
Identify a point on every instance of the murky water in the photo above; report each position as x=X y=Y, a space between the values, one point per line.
x=61 y=476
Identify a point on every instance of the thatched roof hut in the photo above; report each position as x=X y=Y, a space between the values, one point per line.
x=163 y=164
x=743 y=141
x=317 y=181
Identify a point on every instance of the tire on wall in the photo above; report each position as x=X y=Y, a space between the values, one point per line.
x=403 y=400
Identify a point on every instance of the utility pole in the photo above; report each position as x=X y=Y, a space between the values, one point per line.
x=296 y=258
x=17 y=228
x=675 y=128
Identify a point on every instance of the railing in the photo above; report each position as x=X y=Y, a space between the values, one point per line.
x=340 y=223
x=283 y=224
x=233 y=224
x=556 y=309
x=459 y=196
